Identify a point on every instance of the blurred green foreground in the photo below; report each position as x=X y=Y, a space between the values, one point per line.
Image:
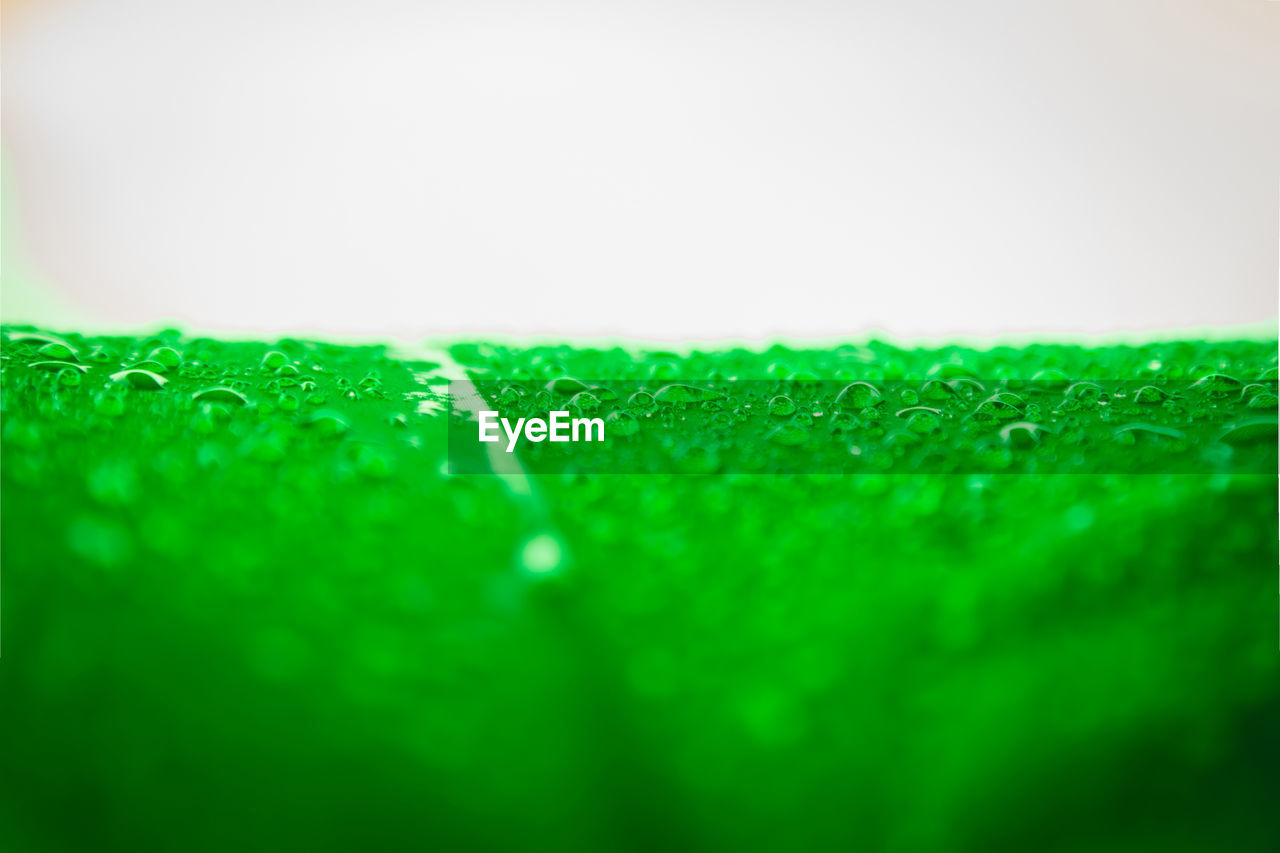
x=246 y=609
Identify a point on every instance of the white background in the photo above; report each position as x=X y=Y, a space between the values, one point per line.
x=684 y=169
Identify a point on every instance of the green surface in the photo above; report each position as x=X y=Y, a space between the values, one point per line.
x=263 y=618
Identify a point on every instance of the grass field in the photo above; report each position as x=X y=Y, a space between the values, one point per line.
x=245 y=605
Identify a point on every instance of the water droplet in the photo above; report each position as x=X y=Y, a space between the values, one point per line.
x=1263 y=401
x=1022 y=434
x=922 y=420
x=1085 y=392
x=58 y=366
x=140 y=380
x=153 y=366
x=782 y=406
x=937 y=391
x=642 y=401
x=967 y=388
x=222 y=394
x=998 y=407
x=1250 y=432
x=57 y=351
x=511 y=396
x=274 y=360
x=1150 y=394
x=583 y=403
x=858 y=395
x=327 y=424
x=1217 y=385
x=167 y=356
x=1130 y=433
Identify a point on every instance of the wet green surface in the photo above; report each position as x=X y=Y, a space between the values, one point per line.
x=244 y=608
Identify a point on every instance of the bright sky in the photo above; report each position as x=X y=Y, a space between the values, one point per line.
x=658 y=168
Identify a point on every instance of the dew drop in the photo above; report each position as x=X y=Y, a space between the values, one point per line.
x=274 y=360
x=583 y=403
x=937 y=391
x=58 y=366
x=1250 y=432
x=1150 y=394
x=167 y=356
x=327 y=424
x=224 y=395
x=1217 y=385
x=782 y=406
x=1022 y=434
x=140 y=380
x=858 y=395
x=642 y=401
x=57 y=351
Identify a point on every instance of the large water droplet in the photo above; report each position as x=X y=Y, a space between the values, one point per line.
x=642 y=401
x=140 y=380
x=1250 y=432
x=222 y=394
x=782 y=406
x=58 y=366
x=274 y=360
x=1022 y=434
x=167 y=356
x=858 y=396
x=1217 y=385
x=1150 y=394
